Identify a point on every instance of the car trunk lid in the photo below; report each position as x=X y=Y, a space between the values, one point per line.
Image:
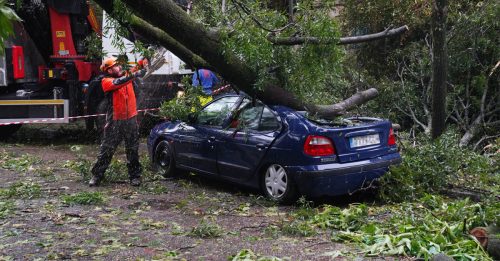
x=358 y=138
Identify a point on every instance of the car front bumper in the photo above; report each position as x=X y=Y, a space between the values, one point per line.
x=340 y=178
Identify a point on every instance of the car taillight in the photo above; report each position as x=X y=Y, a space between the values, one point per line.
x=392 y=139
x=318 y=146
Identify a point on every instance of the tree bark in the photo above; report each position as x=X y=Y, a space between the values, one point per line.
x=439 y=66
x=341 y=41
x=156 y=35
x=167 y=16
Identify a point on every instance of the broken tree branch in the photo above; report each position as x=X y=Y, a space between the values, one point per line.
x=343 y=40
x=334 y=110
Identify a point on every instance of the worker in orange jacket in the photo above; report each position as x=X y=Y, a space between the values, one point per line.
x=121 y=120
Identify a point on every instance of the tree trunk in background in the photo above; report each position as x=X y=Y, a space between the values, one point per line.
x=439 y=66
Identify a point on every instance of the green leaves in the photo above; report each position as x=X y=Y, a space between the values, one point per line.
x=247 y=255
x=180 y=107
x=93 y=44
x=21 y=163
x=436 y=225
x=307 y=70
x=84 y=198
x=351 y=218
x=7 y=16
x=432 y=166
x=23 y=190
x=207 y=229
x=6 y=208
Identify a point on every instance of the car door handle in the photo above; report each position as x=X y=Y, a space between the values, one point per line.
x=260 y=146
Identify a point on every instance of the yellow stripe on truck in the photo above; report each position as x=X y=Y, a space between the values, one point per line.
x=32 y=102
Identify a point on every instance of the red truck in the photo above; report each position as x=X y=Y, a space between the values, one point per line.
x=44 y=73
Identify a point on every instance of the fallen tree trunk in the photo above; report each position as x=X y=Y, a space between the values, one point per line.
x=166 y=16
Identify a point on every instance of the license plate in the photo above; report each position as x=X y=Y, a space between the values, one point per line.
x=366 y=140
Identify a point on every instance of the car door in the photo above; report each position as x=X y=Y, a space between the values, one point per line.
x=196 y=143
x=246 y=140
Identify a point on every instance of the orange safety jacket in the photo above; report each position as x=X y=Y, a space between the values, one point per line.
x=123 y=100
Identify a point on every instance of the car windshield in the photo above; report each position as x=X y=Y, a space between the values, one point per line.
x=215 y=113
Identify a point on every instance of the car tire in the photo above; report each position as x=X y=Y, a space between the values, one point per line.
x=278 y=185
x=164 y=160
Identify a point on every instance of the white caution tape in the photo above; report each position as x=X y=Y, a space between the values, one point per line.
x=216 y=91
x=59 y=119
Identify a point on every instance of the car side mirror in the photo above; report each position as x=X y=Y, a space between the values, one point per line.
x=191 y=118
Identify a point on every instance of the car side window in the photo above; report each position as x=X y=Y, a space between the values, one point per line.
x=254 y=118
x=268 y=121
x=215 y=113
x=250 y=116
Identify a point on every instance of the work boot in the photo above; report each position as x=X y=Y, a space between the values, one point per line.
x=136 y=182
x=94 y=181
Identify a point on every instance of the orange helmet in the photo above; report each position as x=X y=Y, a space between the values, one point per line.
x=108 y=63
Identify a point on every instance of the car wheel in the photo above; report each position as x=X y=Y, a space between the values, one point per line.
x=164 y=159
x=278 y=186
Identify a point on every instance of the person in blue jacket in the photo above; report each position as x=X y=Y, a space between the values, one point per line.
x=207 y=78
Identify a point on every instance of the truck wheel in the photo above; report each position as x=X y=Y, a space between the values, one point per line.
x=8 y=130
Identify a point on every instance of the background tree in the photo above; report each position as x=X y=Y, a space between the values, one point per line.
x=439 y=66
x=404 y=74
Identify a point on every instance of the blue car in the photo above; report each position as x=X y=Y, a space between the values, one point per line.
x=275 y=148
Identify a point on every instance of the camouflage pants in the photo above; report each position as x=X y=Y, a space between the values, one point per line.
x=114 y=132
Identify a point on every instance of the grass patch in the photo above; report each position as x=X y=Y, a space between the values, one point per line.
x=206 y=229
x=23 y=190
x=155 y=188
x=84 y=198
x=148 y=224
x=247 y=254
x=81 y=166
x=148 y=172
x=298 y=228
x=18 y=164
x=182 y=204
x=46 y=173
x=117 y=170
x=272 y=231
x=176 y=229
x=6 y=208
